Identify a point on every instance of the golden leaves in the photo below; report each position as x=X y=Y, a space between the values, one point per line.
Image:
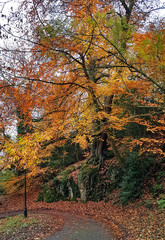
x=82 y=141
x=25 y=150
x=71 y=72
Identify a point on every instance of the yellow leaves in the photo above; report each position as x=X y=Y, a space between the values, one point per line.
x=25 y=151
x=83 y=64
x=82 y=140
x=101 y=115
x=10 y=150
x=112 y=121
x=39 y=136
x=149 y=48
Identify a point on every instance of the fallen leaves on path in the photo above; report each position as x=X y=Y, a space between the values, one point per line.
x=135 y=220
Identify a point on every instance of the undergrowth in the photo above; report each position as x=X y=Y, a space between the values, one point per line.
x=9 y=224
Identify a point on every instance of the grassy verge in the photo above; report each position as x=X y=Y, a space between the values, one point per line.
x=10 y=224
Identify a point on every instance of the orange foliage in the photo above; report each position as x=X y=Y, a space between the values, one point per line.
x=71 y=72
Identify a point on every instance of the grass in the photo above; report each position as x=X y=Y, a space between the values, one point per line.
x=35 y=226
x=9 y=224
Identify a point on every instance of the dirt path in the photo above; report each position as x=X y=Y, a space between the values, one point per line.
x=80 y=229
x=75 y=227
x=101 y=212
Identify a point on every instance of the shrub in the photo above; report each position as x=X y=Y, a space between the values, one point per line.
x=115 y=173
x=132 y=181
x=161 y=202
x=156 y=190
x=136 y=171
x=148 y=203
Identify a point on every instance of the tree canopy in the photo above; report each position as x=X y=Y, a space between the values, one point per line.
x=85 y=71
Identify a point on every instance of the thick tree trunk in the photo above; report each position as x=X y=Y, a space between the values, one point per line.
x=98 y=148
x=99 y=145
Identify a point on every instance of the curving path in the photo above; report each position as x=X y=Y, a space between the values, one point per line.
x=76 y=227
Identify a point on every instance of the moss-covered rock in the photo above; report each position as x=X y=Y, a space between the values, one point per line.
x=73 y=189
x=91 y=184
x=63 y=188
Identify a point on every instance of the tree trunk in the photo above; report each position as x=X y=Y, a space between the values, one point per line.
x=98 y=148
x=99 y=144
x=115 y=151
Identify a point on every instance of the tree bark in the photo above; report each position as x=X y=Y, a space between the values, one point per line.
x=115 y=151
x=99 y=144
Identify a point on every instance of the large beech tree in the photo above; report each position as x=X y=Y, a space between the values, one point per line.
x=89 y=67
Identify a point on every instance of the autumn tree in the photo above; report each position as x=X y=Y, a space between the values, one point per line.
x=91 y=65
x=97 y=52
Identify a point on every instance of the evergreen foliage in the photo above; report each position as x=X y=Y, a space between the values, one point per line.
x=65 y=155
x=132 y=181
x=135 y=172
